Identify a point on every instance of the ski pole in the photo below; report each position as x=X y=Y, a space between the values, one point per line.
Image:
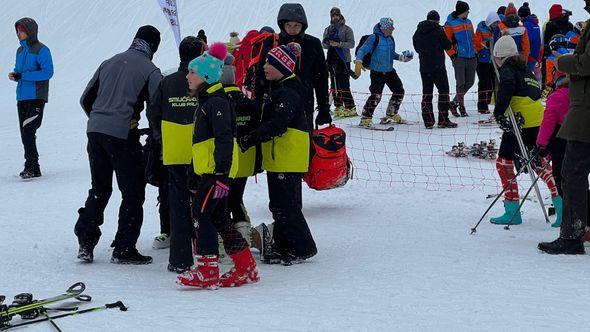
x=504 y=188
x=507 y=227
x=117 y=304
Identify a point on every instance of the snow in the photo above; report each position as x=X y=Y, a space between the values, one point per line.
x=394 y=255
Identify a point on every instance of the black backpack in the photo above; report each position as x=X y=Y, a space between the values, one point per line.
x=367 y=57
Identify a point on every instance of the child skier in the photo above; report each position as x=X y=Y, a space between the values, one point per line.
x=214 y=148
x=519 y=90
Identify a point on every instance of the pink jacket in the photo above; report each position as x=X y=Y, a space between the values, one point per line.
x=558 y=103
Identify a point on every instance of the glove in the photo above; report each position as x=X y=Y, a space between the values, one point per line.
x=247 y=141
x=504 y=123
x=220 y=186
x=358 y=66
x=406 y=56
x=334 y=43
x=323 y=117
x=541 y=151
x=16 y=76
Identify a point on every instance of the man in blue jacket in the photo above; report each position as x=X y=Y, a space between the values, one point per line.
x=381 y=46
x=32 y=71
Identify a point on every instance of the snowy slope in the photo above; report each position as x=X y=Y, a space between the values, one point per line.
x=391 y=256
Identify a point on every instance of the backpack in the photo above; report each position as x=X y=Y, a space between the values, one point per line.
x=243 y=55
x=367 y=57
x=248 y=55
x=330 y=166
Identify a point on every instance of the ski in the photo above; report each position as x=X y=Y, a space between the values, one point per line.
x=8 y=311
x=377 y=127
x=486 y=123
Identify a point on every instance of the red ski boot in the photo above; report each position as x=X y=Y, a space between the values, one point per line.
x=205 y=275
x=243 y=272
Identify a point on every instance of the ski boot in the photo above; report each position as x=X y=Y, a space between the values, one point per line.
x=339 y=112
x=447 y=124
x=558 y=204
x=453 y=108
x=563 y=247
x=31 y=170
x=204 y=276
x=366 y=122
x=85 y=253
x=176 y=269
x=243 y=272
x=511 y=208
x=462 y=111
x=161 y=241
x=129 y=256
x=349 y=112
x=392 y=118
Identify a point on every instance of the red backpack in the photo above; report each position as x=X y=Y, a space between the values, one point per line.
x=330 y=166
x=247 y=56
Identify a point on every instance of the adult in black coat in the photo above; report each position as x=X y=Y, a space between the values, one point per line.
x=430 y=43
x=311 y=67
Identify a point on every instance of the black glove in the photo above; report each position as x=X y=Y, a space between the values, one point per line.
x=17 y=76
x=247 y=141
x=504 y=123
x=453 y=57
x=542 y=151
x=323 y=117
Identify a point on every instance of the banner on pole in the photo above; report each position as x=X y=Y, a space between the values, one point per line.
x=171 y=12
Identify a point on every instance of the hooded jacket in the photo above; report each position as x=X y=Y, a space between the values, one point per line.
x=311 y=67
x=460 y=32
x=34 y=63
x=431 y=43
x=343 y=34
x=384 y=53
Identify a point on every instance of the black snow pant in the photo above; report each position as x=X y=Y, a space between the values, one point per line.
x=30 y=116
x=237 y=209
x=181 y=226
x=378 y=82
x=429 y=81
x=340 y=82
x=291 y=233
x=464 y=77
x=164 y=204
x=486 y=84
x=576 y=167
x=107 y=154
x=210 y=218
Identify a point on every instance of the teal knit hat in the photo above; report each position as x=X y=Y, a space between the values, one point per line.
x=210 y=64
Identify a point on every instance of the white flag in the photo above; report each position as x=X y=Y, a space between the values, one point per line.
x=171 y=12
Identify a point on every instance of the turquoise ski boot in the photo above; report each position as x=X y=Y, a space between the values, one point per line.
x=558 y=204
x=510 y=208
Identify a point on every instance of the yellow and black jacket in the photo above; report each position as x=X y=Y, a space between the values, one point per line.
x=247 y=119
x=171 y=116
x=214 y=138
x=522 y=92
x=283 y=132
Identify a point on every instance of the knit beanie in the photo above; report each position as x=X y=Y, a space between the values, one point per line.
x=335 y=10
x=501 y=10
x=283 y=59
x=228 y=72
x=202 y=36
x=233 y=38
x=209 y=65
x=190 y=48
x=492 y=18
x=150 y=35
x=505 y=47
x=267 y=29
x=510 y=10
x=386 y=23
x=433 y=16
x=524 y=11
x=461 y=7
x=556 y=11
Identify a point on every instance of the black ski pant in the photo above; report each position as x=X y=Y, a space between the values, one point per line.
x=340 y=82
x=464 y=77
x=236 y=200
x=576 y=167
x=30 y=116
x=181 y=226
x=291 y=233
x=107 y=154
x=486 y=84
x=210 y=218
x=378 y=82
x=429 y=81
x=164 y=204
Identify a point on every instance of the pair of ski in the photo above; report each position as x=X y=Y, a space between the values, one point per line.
x=37 y=307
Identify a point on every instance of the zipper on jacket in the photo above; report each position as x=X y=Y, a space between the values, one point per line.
x=22 y=67
x=272 y=152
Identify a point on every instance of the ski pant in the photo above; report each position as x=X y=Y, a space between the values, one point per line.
x=440 y=80
x=30 y=116
x=107 y=154
x=210 y=218
x=464 y=77
x=291 y=233
x=340 y=82
x=378 y=82
x=486 y=76
x=576 y=167
x=164 y=205
x=181 y=226
x=236 y=200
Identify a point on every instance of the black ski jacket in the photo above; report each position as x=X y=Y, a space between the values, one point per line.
x=430 y=42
